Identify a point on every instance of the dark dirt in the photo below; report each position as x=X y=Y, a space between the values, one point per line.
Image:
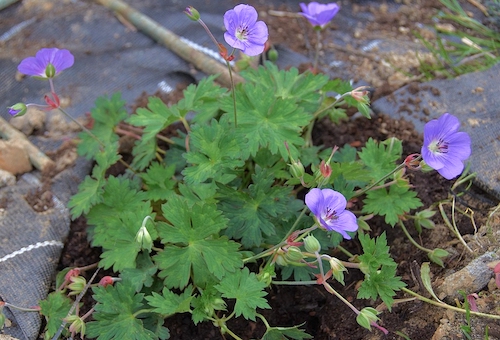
x=324 y=316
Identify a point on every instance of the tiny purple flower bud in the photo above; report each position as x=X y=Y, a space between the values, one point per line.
x=445 y=148
x=192 y=13
x=47 y=63
x=18 y=110
x=328 y=207
x=319 y=14
x=244 y=32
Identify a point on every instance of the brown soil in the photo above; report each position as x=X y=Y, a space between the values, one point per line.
x=326 y=317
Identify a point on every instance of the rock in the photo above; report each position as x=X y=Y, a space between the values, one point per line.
x=473 y=98
x=13 y=158
x=470 y=279
x=6 y=178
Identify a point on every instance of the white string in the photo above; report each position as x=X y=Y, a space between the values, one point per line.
x=31 y=247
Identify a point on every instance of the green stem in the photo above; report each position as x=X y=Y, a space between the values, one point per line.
x=233 y=93
x=165 y=139
x=142 y=311
x=405 y=231
x=444 y=305
x=294 y=283
x=83 y=127
x=374 y=184
x=345 y=251
x=21 y=308
x=453 y=226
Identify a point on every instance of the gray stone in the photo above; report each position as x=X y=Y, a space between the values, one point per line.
x=474 y=99
x=470 y=279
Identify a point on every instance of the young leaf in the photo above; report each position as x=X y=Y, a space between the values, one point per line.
x=106 y=114
x=55 y=308
x=115 y=314
x=248 y=291
x=215 y=153
x=89 y=194
x=383 y=283
x=156 y=117
x=391 y=204
x=251 y=211
x=142 y=275
x=380 y=158
x=158 y=180
x=170 y=303
x=202 y=99
x=379 y=269
x=192 y=245
x=301 y=89
x=117 y=220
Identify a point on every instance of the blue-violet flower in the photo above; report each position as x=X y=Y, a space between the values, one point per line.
x=319 y=14
x=445 y=148
x=244 y=32
x=47 y=63
x=328 y=207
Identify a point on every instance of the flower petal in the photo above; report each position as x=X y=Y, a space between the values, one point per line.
x=459 y=145
x=315 y=201
x=32 y=67
x=334 y=200
x=452 y=167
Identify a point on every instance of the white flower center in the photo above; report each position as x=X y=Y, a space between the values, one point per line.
x=242 y=33
x=438 y=146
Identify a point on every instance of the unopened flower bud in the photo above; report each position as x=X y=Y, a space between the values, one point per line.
x=106 y=281
x=72 y=273
x=297 y=169
x=50 y=71
x=77 y=285
x=360 y=94
x=144 y=238
x=273 y=55
x=366 y=317
x=280 y=258
x=294 y=254
x=77 y=325
x=18 y=110
x=192 y=13
x=311 y=244
x=325 y=169
x=338 y=269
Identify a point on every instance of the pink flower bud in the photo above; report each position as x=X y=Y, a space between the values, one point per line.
x=106 y=281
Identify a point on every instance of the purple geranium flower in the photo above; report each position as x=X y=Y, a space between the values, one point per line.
x=244 y=32
x=328 y=206
x=445 y=148
x=319 y=14
x=47 y=63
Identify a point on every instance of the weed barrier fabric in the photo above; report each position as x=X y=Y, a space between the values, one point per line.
x=31 y=243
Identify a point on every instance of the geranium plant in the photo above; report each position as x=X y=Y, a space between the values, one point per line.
x=205 y=220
